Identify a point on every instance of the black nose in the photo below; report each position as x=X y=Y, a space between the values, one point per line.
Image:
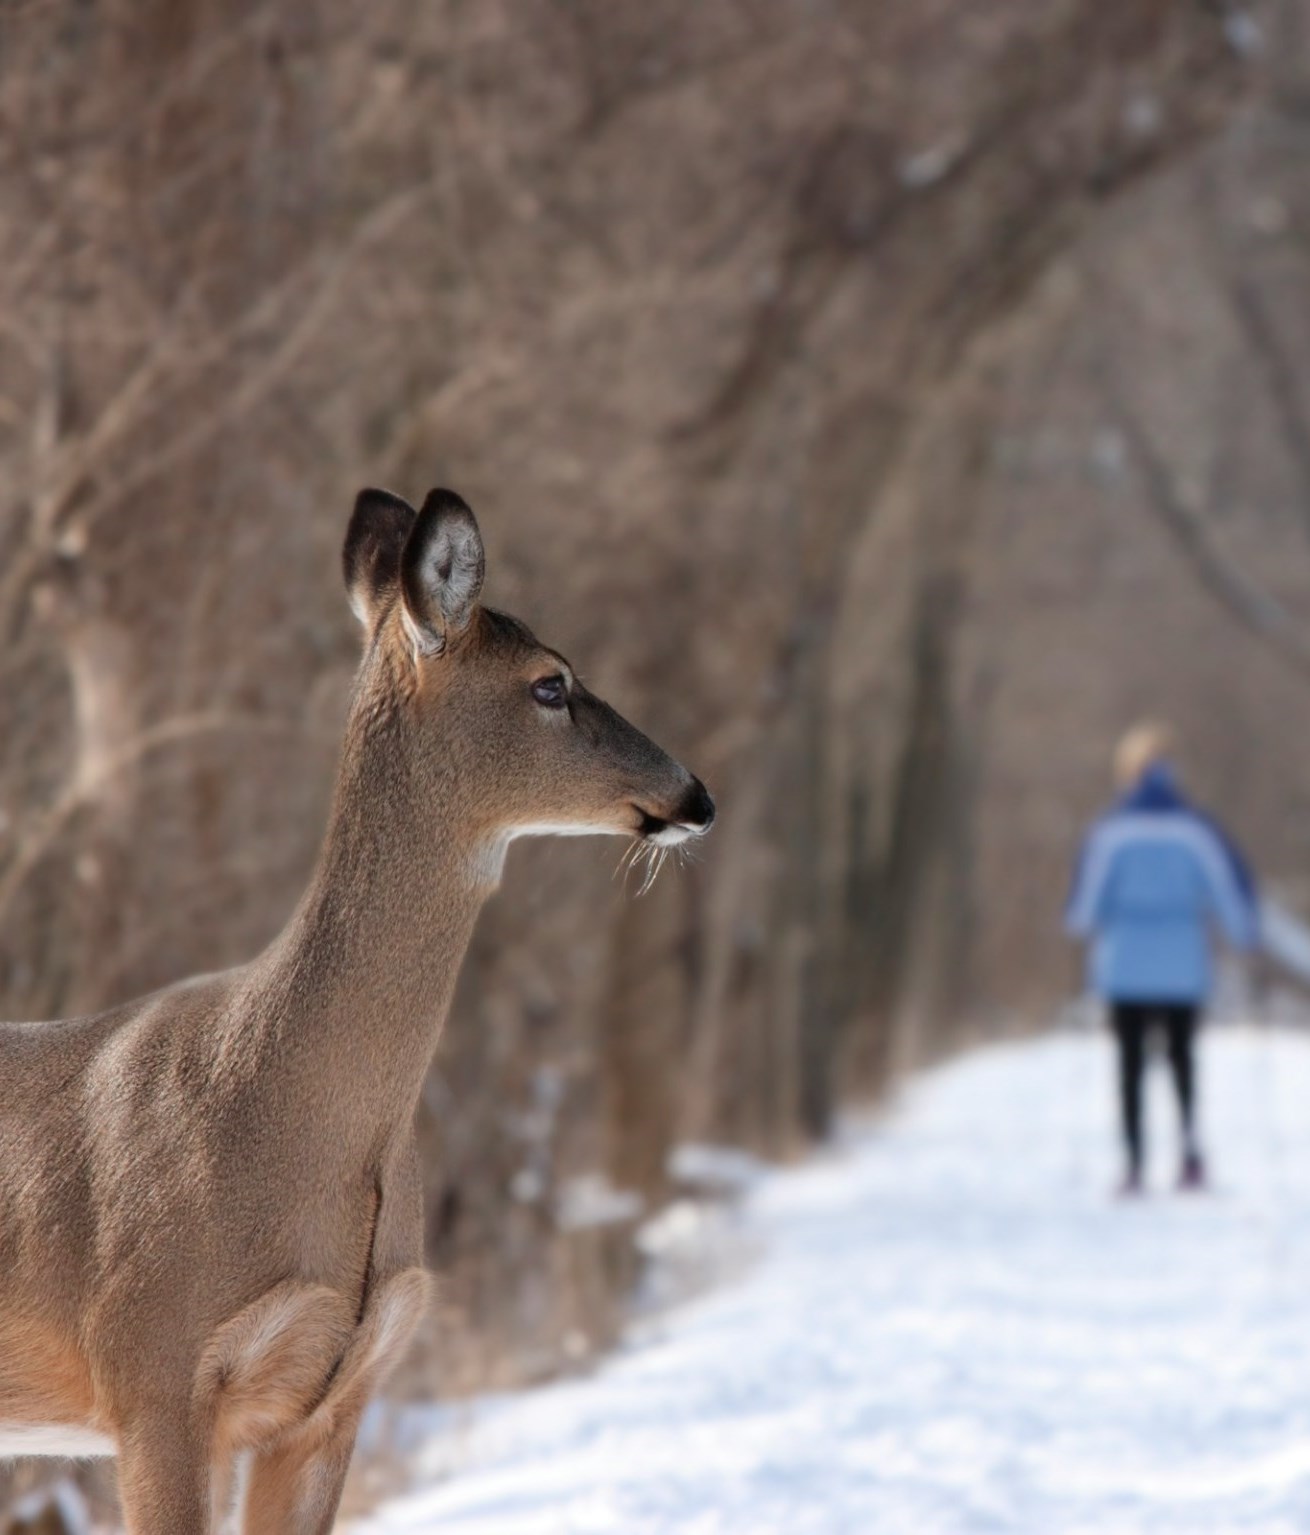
x=697 y=808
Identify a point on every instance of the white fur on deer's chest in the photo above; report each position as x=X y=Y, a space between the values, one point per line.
x=63 y=1439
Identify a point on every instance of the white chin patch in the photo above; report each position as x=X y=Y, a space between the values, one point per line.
x=565 y=829
x=671 y=835
x=489 y=863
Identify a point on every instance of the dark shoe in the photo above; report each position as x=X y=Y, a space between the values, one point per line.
x=1131 y=1185
x=1191 y=1175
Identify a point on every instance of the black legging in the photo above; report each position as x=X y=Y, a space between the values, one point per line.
x=1133 y=1022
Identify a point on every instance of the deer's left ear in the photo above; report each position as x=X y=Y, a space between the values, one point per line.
x=441 y=571
x=370 y=557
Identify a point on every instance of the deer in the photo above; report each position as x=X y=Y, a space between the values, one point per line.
x=211 y=1231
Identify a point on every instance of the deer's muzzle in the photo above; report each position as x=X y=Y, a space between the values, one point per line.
x=693 y=817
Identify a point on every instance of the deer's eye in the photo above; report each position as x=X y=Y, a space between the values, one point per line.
x=551 y=692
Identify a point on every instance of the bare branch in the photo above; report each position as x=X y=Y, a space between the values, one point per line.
x=83 y=790
x=1280 y=378
x=332 y=276
x=1255 y=609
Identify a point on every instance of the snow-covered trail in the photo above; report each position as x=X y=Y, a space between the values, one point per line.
x=951 y=1328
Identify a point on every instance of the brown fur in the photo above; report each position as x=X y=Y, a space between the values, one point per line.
x=210 y=1228
x=44 y=1371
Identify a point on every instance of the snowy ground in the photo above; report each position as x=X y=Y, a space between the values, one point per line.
x=951 y=1328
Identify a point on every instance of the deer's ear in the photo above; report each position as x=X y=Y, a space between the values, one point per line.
x=441 y=571
x=371 y=555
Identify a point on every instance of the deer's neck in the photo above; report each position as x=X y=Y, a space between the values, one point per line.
x=358 y=986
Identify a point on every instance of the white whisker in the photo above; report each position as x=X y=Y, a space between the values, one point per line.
x=653 y=866
x=626 y=859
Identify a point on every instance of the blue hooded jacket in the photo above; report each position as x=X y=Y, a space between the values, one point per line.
x=1155 y=878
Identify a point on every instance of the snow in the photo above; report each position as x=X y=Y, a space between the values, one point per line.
x=1285 y=939
x=592 y=1200
x=62 y=1502
x=723 y=1171
x=951 y=1327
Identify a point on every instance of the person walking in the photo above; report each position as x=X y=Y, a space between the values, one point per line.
x=1155 y=878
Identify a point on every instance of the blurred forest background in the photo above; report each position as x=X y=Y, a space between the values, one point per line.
x=883 y=401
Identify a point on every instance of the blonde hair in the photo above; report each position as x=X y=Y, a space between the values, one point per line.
x=1141 y=748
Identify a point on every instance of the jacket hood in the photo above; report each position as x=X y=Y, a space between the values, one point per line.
x=1156 y=789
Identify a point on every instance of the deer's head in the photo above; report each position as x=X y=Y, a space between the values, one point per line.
x=513 y=742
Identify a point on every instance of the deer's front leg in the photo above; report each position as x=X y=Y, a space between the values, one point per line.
x=295 y=1489
x=295 y=1484
x=164 y=1476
